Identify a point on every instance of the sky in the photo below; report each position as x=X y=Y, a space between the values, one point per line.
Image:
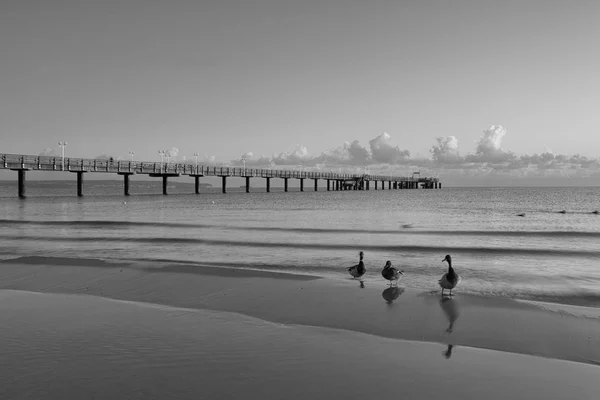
x=475 y=92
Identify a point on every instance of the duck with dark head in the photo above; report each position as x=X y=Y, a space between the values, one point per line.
x=358 y=270
x=390 y=273
x=450 y=279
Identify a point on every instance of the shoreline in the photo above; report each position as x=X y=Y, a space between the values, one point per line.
x=579 y=304
x=500 y=324
x=65 y=345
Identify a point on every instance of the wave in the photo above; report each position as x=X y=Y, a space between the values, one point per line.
x=319 y=246
x=102 y=223
x=399 y=231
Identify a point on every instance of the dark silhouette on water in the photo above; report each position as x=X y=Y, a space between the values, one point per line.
x=362 y=284
x=448 y=352
x=358 y=270
x=521 y=215
x=450 y=279
x=451 y=309
x=390 y=273
x=392 y=293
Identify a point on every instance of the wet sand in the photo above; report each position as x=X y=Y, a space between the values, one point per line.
x=140 y=331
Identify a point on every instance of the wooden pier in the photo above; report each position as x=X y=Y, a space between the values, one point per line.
x=164 y=170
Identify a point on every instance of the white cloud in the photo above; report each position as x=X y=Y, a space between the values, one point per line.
x=384 y=152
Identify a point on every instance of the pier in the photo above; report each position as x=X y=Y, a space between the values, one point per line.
x=164 y=170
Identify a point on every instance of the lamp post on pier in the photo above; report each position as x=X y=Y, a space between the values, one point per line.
x=244 y=162
x=131 y=154
x=63 y=145
x=196 y=156
x=162 y=155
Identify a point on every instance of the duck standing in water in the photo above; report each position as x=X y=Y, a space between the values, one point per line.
x=450 y=279
x=390 y=273
x=358 y=270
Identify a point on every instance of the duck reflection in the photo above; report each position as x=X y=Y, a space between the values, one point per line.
x=451 y=309
x=391 y=293
x=448 y=352
x=362 y=284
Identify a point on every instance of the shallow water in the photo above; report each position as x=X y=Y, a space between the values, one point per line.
x=545 y=255
x=57 y=347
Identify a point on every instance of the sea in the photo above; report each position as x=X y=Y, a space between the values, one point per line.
x=528 y=243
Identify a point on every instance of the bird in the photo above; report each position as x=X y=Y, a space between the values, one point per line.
x=450 y=279
x=562 y=212
x=358 y=270
x=595 y=212
x=390 y=273
x=521 y=215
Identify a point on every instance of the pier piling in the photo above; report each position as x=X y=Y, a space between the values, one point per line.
x=165 y=183
x=125 y=182
x=224 y=184
x=21 y=173
x=80 y=183
x=302 y=184
x=247 y=184
x=316 y=185
x=268 y=184
x=285 y=184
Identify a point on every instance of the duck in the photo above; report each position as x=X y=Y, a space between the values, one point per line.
x=358 y=270
x=450 y=279
x=390 y=273
x=595 y=212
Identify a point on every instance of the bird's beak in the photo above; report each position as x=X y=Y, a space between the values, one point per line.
x=401 y=272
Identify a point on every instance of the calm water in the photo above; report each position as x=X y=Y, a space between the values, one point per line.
x=545 y=255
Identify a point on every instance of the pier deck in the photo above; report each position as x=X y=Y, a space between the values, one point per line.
x=164 y=170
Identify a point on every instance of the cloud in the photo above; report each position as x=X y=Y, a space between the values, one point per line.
x=173 y=152
x=252 y=161
x=446 y=150
x=348 y=154
x=488 y=146
x=488 y=160
x=51 y=152
x=298 y=156
x=382 y=151
x=107 y=157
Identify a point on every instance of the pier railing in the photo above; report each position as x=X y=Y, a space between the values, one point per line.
x=49 y=163
x=23 y=163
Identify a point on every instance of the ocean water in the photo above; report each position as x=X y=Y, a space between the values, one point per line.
x=545 y=255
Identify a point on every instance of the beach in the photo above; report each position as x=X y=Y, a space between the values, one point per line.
x=95 y=329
